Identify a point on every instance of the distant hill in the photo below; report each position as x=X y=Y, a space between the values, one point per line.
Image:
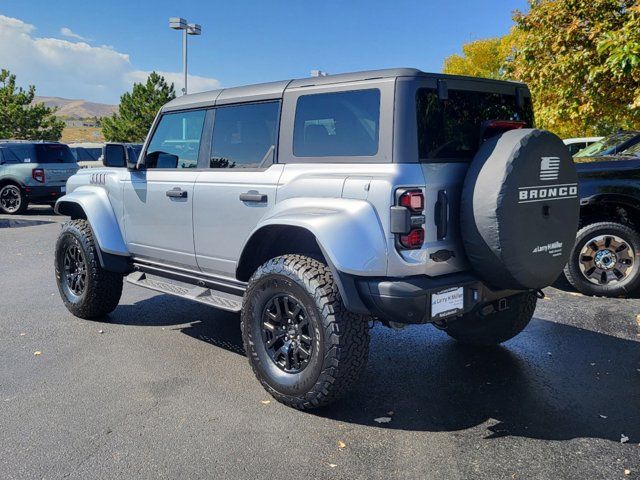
x=77 y=108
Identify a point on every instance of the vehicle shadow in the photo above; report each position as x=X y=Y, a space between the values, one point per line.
x=201 y=322
x=563 y=284
x=553 y=382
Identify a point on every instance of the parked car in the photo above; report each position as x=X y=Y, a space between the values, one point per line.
x=32 y=172
x=88 y=155
x=576 y=144
x=604 y=260
x=611 y=145
x=313 y=206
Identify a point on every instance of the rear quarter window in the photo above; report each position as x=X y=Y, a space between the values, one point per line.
x=19 y=154
x=453 y=128
x=341 y=124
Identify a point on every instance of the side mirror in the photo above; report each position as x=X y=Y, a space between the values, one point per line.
x=114 y=155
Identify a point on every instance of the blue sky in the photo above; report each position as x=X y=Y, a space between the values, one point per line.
x=95 y=50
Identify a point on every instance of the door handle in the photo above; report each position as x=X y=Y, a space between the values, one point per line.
x=176 y=193
x=253 y=196
x=442 y=214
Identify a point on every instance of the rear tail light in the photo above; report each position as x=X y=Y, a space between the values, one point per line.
x=413 y=240
x=38 y=175
x=413 y=200
x=410 y=208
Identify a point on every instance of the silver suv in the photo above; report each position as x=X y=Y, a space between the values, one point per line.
x=33 y=172
x=315 y=206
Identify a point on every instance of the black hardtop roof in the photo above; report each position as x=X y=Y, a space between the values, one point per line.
x=272 y=90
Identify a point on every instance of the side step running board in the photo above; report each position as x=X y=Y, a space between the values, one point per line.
x=208 y=296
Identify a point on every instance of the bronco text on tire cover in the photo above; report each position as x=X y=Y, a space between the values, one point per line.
x=519 y=209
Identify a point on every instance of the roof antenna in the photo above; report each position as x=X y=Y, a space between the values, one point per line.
x=318 y=73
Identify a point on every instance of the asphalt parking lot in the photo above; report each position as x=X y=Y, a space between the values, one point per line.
x=166 y=392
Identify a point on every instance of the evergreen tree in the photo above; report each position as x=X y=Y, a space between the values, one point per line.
x=137 y=110
x=20 y=118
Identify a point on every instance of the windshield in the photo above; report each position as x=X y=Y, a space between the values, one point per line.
x=455 y=128
x=83 y=154
x=632 y=151
x=603 y=146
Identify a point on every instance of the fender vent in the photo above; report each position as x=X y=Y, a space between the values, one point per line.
x=99 y=178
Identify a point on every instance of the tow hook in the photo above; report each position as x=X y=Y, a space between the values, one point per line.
x=540 y=294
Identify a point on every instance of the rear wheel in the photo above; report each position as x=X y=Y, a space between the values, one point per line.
x=603 y=260
x=12 y=200
x=304 y=347
x=87 y=290
x=497 y=327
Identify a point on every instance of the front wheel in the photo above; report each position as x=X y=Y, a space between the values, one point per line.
x=13 y=201
x=87 y=290
x=494 y=328
x=603 y=261
x=304 y=347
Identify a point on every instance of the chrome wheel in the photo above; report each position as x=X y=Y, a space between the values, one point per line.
x=607 y=259
x=286 y=333
x=10 y=198
x=74 y=270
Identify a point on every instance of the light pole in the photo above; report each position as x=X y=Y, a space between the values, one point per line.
x=178 y=23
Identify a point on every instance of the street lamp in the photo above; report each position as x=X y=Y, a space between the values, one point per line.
x=178 y=23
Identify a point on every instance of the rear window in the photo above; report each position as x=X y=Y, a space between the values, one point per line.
x=52 y=153
x=344 y=124
x=453 y=128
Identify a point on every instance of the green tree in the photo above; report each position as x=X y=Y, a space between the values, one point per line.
x=137 y=110
x=20 y=118
x=580 y=60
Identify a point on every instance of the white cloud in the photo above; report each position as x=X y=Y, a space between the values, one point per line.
x=67 y=32
x=195 y=82
x=75 y=69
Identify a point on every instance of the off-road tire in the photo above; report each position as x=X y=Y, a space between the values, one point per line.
x=616 y=289
x=341 y=338
x=102 y=289
x=22 y=199
x=497 y=327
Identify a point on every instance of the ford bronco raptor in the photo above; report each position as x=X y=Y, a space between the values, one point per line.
x=313 y=206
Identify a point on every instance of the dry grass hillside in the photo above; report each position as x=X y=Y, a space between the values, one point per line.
x=81 y=134
x=69 y=108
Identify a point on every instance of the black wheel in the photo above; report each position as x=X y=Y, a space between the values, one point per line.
x=494 y=328
x=603 y=260
x=87 y=290
x=12 y=200
x=303 y=345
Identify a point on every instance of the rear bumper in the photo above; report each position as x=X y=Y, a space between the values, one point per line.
x=408 y=299
x=43 y=193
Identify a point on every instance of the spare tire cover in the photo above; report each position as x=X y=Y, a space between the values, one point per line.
x=519 y=209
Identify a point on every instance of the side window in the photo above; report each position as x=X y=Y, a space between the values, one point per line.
x=176 y=141
x=344 y=124
x=244 y=136
x=20 y=154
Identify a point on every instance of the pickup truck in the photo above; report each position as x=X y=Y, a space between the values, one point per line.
x=604 y=260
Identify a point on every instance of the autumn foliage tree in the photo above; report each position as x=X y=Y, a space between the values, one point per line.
x=137 y=110
x=481 y=58
x=581 y=60
x=20 y=118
